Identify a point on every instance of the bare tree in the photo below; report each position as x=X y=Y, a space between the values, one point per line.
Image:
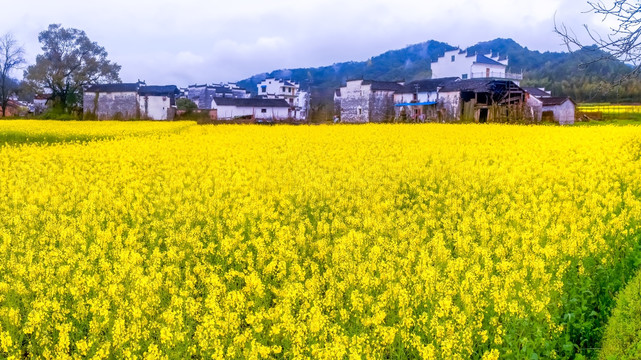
x=11 y=57
x=622 y=42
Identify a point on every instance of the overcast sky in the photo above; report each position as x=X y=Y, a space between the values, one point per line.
x=188 y=41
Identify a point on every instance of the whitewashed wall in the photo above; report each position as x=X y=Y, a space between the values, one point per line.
x=231 y=112
x=445 y=67
x=564 y=114
x=535 y=106
x=154 y=107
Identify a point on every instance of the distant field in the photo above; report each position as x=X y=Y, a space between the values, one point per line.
x=611 y=112
x=173 y=240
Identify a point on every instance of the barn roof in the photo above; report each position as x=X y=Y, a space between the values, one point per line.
x=251 y=102
x=477 y=85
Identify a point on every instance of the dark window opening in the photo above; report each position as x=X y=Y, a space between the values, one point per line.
x=264 y=111
x=483 y=116
x=453 y=58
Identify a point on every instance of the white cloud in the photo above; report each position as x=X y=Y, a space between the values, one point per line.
x=204 y=41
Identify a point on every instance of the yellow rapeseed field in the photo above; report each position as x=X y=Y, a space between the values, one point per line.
x=330 y=242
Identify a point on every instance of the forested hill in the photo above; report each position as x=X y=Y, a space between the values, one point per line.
x=561 y=72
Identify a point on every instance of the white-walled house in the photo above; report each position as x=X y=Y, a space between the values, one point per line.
x=559 y=109
x=157 y=102
x=361 y=101
x=546 y=107
x=458 y=63
x=298 y=100
x=257 y=108
x=130 y=101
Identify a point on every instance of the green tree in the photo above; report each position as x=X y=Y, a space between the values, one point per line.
x=186 y=104
x=69 y=62
x=11 y=57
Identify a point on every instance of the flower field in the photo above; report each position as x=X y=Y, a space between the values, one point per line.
x=376 y=241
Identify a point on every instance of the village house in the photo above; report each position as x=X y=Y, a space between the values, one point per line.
x=558 y=109
x=548 y=108
x=202 y=95
x=362 y=101
x=130 y=101
x=483 y=100
x=298 y=100
x=458 y=63
x=251 y=108
x=417 y=100
x=112 y=101
x=157 y=102
x=41 y=103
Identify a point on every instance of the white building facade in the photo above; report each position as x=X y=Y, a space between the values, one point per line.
x=252 y=108
x=459 y=64
x=298 y=100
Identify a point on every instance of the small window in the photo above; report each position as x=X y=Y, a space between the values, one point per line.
x=453 y=58
x=415 y=97
x=263 y=88
x=360 y=111
x=264 y=111
x=464 y=76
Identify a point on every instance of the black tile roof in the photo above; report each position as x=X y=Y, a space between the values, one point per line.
x=477 y=85
x=221 y=90
x=553 y=101
x=427 y=85
x=108 y=88
x=482 y=59
x=251 y=102
x=536 y=92
x=383 y=85
x=155 y=90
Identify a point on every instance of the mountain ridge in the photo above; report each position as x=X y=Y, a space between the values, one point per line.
x=574 y=74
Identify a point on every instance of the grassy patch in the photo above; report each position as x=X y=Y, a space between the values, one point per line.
x=622 y=338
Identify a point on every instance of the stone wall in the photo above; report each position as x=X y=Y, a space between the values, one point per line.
x=354 y=109
x=108 y=106
x=381 y=106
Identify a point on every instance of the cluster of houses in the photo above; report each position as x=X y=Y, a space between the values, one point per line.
x=277 y=99
x=463 y=87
